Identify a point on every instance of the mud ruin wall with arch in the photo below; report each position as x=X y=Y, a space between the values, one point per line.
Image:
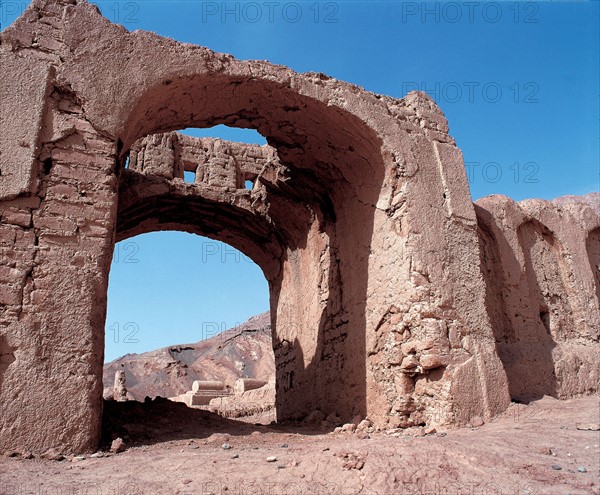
x=393 y=296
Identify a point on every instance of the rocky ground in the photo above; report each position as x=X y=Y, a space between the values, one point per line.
x=171 y=449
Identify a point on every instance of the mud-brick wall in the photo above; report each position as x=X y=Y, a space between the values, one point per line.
x=538 y=264
x=214 y=162
x=56 y=249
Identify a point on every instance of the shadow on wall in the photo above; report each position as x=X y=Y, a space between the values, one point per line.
x=550 y=309
x=593 y=251
x=335 y=379
x=341 y=345
x=530 y=316
x=7 y=357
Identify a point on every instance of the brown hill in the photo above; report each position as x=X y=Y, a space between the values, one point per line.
x=242 y=351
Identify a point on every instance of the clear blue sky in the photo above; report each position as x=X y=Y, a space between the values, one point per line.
x=518 y=82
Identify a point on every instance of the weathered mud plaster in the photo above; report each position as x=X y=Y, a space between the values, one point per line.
x=541 y=265
x=360 y=217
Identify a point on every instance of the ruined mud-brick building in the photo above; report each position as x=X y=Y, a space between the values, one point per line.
x=392 y=295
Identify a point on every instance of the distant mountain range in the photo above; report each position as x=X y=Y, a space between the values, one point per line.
x=242 y=351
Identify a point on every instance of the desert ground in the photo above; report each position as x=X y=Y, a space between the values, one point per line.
x=531 y=449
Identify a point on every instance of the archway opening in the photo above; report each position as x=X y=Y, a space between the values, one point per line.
x=276 y=204
x=187 y=321
x=185 y=190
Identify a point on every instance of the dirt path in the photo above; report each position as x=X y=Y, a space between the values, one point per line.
x=531 y=449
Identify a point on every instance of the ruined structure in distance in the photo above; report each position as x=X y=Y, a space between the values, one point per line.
x=392 y=295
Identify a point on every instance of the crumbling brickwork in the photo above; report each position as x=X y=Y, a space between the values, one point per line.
x=392 y=295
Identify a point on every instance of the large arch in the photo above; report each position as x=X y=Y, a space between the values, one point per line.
x=155 y=198
x=375 y=311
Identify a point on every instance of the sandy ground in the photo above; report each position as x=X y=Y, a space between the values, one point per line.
x=531 y=449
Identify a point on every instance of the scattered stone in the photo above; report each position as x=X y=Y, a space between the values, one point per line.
x=588 y=426
x=272 y=459
x=194 y=447
x=545 y=451
x=226 y=446
x=414 y=431
x=362 y=434
x=315 y=417
x=78 y=458
x=582 y=469
x=477 y=421
x=430 y=430
x=334 y=419
x=356 y=420
x=441 y=434
x=364 y=425
x=337 y=429
x=96 y=455
x=556 y=467
x=218 y=438
x=52 y=455
x=351 y=460
x=235 y=456
x=27 y=455
x=349 y=427
x=118 y=445
x=186 y=482
x=284 y=445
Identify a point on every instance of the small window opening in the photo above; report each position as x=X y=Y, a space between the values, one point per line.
x=189 y=177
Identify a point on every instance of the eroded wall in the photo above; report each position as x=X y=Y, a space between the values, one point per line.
x=360 y=217
x=541 y=294
x=56 y=250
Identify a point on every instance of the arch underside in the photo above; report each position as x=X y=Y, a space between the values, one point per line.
x=183 y=207
x=286 y=230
